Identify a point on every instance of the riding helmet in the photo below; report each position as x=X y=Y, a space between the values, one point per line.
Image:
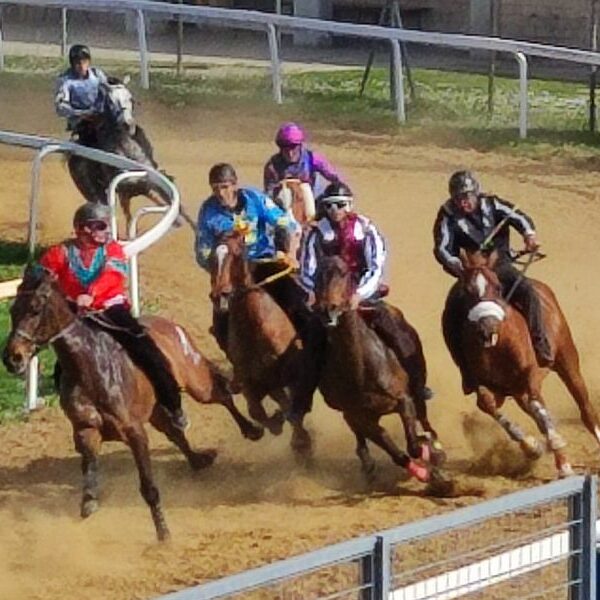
x=336 y=191
x=79 y=52
x=90 y=211
x=222 y=173
x=462 y=182
x=290 y=134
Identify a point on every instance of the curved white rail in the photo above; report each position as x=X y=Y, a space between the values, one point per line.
x=47 y=146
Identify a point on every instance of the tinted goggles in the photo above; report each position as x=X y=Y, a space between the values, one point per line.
x=339 y=204
x=96 y=225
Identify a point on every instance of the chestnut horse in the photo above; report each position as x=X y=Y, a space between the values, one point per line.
x=361 y=376
x=103 y=394
x=500 y=356
x=262 y=344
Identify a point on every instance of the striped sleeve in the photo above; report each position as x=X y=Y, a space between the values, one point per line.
x=308 y=260
x=375 y=254
x=515 y=217
x=443 y=249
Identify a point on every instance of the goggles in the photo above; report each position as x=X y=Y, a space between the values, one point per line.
x=336 y=201
x=96 y=225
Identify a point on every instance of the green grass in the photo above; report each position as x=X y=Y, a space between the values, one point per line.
x=450 y=107
x=13 y=257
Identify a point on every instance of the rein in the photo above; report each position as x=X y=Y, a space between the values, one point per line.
x=275 y=276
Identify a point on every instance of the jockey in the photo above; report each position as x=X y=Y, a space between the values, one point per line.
x=91 y=271
x=471 y=220
x=295 y=161
x=77 y=92
x=355 y=238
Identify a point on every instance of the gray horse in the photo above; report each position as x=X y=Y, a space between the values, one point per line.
x=114 y=130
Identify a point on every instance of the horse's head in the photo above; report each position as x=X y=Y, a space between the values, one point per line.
x=38 y=314
x=227 y=269
x=334 y=288
x=117 y=103
x=484 y=293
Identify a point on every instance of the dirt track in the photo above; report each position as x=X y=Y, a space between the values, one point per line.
x=255 y=505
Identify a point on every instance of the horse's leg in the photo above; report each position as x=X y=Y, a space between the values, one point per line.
x=214 y=389
x=138 y=442
x=301 y=442
x=488 y=403
x=87 y=443
x=197 y=459
x=367 y=425
x=406 y=410
x=125 y=201
x=254 y=398
x=556 y=442
x=362 y=451
x=567 y=367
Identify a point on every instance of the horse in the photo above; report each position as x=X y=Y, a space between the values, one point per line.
x=115 y=130
x=262 y=344
x=296 y=198
x=500 y=356
x=103 y=394
x=362 y=377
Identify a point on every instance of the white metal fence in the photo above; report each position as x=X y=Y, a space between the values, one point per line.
x=536 y=543
x=273 y=24
x=132 y=170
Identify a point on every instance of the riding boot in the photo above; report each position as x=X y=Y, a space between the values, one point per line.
x=146 y=355
x=525 y=298
x=394 y=331
x=453 y=319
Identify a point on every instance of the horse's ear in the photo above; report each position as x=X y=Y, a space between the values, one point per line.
x=126 y=79
x=493 y=259
x=465 y=258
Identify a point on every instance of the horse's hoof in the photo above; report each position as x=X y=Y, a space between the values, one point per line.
x=89 y=507
x=163 y=534
x=418 y=471
x=301 y=442
x=532 y=448
x=201 y=460
x=275 y=423
x=254 y=433
x=438 y=454
x=368 y=470
x=565 y=470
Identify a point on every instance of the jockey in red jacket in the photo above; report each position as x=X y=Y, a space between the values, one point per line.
x=353 y=237
x=91 y=271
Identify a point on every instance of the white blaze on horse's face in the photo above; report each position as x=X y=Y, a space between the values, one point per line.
x=481 y=284
x=123 y=99
x=221 y=252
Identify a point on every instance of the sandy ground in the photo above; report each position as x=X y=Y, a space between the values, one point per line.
x=255 y=505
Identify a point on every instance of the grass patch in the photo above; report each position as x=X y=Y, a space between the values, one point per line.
x=13 y=257
x=450 y=107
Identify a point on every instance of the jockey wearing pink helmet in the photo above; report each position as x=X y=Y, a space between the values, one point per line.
x=295 y=161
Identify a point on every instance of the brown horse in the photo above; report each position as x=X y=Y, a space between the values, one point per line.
x=500 y=356
x=262 y=344
x=361 y=376
x=103 y=394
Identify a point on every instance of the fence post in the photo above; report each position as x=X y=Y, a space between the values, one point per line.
x=576 y=545
x=275 y=63
x=382 y=560
x=523 y=102
x=398 y=81
x=141 y=30
x=64 y=32
x=1 y=38
x=588 y=533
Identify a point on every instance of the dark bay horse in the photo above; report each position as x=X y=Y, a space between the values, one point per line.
x=361 y=376
x=262 y=344
x=115 y=130
x=501 y=359
x=103 y=394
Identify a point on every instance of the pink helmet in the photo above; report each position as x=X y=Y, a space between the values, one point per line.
x=290 y=134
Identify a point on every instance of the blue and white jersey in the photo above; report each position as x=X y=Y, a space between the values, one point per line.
x=256 y=214
x=77 y=97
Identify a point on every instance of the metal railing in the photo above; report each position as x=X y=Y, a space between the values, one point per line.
x=273 y=24
x=547 y=533
x=133 y=170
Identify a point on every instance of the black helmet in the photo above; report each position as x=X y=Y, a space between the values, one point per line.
x=79 y=52
x=337 y=191
x=90 y=211
x=462 y=182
